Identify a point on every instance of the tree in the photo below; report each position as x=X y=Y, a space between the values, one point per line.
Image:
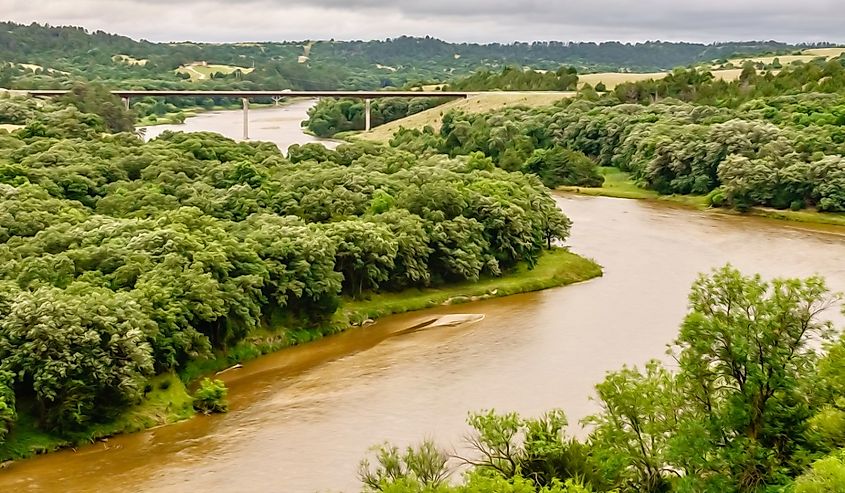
x=639 y=414
x=423 y=467
x=96 y=99
x=84 y=351
x=560 y=166
x=366 y=254
x=510 y=446
x=743 y=350
x=734 y=416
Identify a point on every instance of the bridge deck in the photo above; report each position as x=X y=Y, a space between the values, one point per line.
x=289 y=94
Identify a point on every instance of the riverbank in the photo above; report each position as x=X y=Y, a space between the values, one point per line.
x=618 y=184
x=167 y=398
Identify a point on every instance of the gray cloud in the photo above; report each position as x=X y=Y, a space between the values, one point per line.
x=453 y=20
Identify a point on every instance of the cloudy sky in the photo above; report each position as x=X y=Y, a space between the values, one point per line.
x=452 y=20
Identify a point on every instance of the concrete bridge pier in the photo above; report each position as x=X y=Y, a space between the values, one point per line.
x=245 y=102
x=277 y=100
x=367 y=119
x=126 y=102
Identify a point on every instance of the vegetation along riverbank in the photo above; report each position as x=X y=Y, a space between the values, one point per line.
x=131 y=268
x=769 y=142
x=618 y=184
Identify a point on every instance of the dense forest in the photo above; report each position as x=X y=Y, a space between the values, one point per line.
x=121 y=259
x=765 y=139
x=57 y=56
x=748 y=404
x=42 y=57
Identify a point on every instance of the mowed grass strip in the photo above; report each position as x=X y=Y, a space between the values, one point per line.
x=556 y=267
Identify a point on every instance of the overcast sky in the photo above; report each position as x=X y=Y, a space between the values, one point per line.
x=452 y=20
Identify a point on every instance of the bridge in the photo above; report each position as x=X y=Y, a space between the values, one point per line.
x=245 y=96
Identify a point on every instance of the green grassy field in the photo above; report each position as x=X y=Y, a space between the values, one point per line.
x=619 y=184
x=129 y=60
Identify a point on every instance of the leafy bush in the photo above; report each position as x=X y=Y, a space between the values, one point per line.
x=423 y=466
x=826 y=475
x=210 y=397
x=84 y=351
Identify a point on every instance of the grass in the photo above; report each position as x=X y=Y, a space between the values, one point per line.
x=204 y=72
x=129 y=60
x=803 y=216
x=825 y=52
x=557 y=267
x=167 y=401
x=613 y=79
x=806 y=56
x=33 y=68
x=619 y=184
x=478 y=103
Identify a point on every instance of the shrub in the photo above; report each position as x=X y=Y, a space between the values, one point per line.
x=210 y=397
x=423 y=466
x=716 y=198
x=826 y=475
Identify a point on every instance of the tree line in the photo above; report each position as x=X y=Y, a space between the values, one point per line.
x=772 y=140
x=518 y=79
x=71 y=54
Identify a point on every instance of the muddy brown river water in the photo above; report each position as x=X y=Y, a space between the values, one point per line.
x=301 y=419
x=279 y=125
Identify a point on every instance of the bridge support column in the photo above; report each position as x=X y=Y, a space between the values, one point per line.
x=367 y=105
x=245 y=102
x=126 y=103
x=277 y=100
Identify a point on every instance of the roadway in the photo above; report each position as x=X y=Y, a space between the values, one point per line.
x=259 y=94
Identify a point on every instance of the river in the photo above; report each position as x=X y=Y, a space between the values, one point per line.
x=280 y=125
x=301 y=419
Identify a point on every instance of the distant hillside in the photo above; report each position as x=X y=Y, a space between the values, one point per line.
x=44 y=56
